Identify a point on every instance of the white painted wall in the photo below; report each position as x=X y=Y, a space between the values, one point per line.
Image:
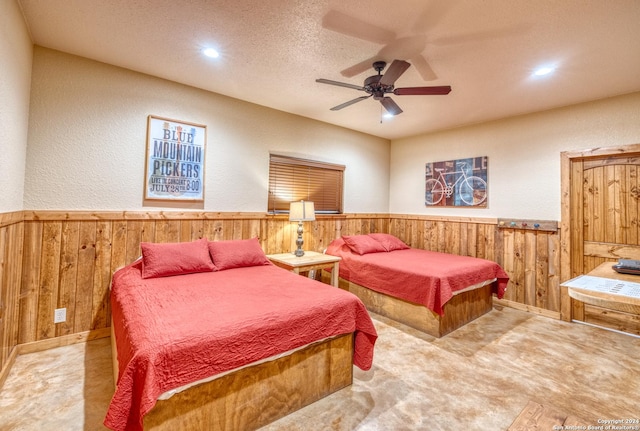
x=523 y=157
x=16 y=52
x=87 y=134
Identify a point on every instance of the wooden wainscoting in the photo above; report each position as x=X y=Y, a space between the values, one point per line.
x=11 y=234
x=68 y=257
x=530 y=257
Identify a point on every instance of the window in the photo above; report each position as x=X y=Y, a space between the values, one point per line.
x=292 y=179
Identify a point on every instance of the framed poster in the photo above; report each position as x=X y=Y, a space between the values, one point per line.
x=174 y=162
x=457 y=183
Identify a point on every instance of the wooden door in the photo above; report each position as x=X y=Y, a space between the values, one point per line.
x=600 y=218
x=610 y=210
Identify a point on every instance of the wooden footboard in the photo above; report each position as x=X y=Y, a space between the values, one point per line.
x=114 y=356
x=260 y=394
x=460 y=310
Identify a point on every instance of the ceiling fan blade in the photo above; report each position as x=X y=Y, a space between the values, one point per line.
x=394 y=71
x=349 y=103
x=423 y=68
x=340 y=84
x=357 y=69
x=422 y=91
x=351 y=26
x=391 y=106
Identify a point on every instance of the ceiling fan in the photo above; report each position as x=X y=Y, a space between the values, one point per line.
x=379 y=85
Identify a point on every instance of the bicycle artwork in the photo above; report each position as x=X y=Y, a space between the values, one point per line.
x=461 y=182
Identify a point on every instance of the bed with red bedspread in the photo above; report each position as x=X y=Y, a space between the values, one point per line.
x=384 y=264
x=214 y=310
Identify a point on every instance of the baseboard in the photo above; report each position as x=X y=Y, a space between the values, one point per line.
x=527 y=308
x=64 y=340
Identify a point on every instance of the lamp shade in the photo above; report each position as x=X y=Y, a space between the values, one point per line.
x=302 y=211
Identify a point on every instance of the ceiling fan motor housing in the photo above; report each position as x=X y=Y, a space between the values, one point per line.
x=372 y=86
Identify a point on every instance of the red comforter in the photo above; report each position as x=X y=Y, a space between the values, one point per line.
x=171 y=331
x=424 y=277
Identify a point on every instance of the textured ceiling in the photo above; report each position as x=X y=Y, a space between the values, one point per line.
x=272 y=51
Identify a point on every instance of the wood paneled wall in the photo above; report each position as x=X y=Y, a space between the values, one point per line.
x=69 y=257
x=11 y=237
x=65 y=259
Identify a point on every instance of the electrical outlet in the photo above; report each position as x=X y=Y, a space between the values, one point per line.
x=60 y=315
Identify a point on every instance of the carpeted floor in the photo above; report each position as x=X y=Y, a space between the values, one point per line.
x=476 y=378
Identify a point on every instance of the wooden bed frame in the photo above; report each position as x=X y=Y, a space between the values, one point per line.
x=256 y=395
x=458 y=311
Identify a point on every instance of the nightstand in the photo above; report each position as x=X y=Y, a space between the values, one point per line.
x=310 y=261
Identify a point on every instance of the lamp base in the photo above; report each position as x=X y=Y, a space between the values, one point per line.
x=299 y=251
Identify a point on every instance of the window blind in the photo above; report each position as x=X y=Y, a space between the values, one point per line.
x=293 y=179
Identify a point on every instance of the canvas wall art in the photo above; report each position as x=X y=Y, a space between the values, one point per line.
x=456 y=183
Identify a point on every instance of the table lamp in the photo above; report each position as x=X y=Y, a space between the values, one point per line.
x=301 y=211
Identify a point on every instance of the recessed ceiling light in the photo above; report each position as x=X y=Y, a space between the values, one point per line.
x=210 y=52
x=545 y=70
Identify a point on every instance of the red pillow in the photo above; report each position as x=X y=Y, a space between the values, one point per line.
x=363 y=244
x=175 y=258
x=334 y=247
x=389 y=242
x=237 y=254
